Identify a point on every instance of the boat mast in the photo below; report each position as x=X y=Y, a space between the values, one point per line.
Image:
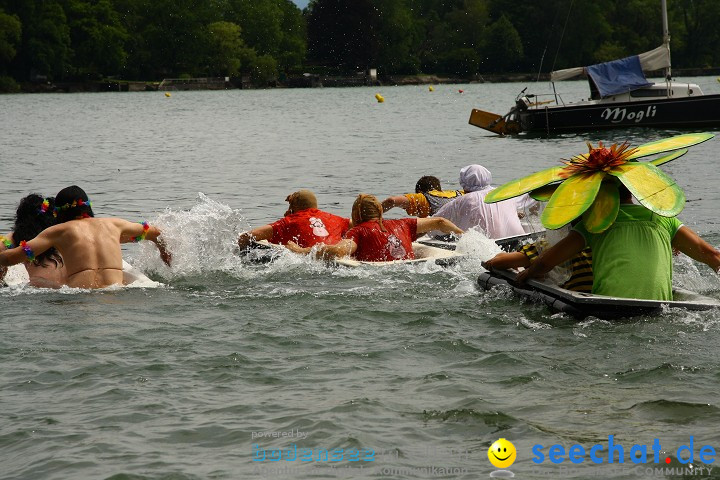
x=666 y=37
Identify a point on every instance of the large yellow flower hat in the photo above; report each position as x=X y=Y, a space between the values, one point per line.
x=577 y=188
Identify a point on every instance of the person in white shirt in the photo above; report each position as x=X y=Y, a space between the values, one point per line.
x=495 y=220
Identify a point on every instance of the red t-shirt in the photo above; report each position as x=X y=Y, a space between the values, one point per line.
x=309 y=227
x=374 y=245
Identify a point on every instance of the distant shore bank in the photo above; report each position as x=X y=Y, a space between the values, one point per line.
x=303 y=81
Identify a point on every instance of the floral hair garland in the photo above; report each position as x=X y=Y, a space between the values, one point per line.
x=45 y=206
x=75 y=203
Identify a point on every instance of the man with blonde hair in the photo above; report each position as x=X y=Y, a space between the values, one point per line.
x=303 y=224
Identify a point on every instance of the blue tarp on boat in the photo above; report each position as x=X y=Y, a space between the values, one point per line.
x=618 y=76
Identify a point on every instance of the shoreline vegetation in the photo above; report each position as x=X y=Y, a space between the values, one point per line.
x=301 y=81
x=99 y=45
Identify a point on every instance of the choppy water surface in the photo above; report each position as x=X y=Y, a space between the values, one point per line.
x=412 y=363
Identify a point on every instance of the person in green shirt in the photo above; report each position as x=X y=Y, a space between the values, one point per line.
x=632 y=258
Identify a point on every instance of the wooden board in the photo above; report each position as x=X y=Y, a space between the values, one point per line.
x=17 y=275
x=423 y=254
x=492 y=122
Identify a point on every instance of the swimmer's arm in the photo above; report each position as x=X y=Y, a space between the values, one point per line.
x=399 y=201
x=564 y=250
x=3 y=270
x=505 y=260
x=261 y=233
x=153 y=234
x=131 y=230
x=428 y=224
x=690 y=243
x=165 y=254
x=326 y=252
x=40 y=244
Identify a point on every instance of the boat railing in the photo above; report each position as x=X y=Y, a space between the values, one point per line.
x=533 y=100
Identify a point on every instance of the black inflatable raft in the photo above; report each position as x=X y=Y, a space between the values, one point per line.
x=581 y=305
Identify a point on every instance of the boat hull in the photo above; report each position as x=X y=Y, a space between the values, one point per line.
x=685 y=112
x=581 y=305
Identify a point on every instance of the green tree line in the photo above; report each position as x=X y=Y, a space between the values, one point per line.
x=268 y=39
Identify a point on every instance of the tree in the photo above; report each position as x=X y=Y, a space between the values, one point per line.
x=398 y=50
x=168 y=38
x=344 y=33
x=45 y=41
x=459 y=61
x=10 y=34
x=293 y=45
x=260 y=21
x=226 y=49
x=504 y=48
x=98 y=38
x=263 y=70
x=275 y=28
x=696 y=42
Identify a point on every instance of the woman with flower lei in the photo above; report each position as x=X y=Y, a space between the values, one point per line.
x=90 y=246
x=33 y=215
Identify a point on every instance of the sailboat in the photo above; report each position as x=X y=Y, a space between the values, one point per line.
x=620 y=97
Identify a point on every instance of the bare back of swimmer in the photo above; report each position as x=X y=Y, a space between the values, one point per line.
x=90 y=247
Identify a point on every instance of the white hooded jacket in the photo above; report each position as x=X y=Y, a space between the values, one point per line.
x=495 y=220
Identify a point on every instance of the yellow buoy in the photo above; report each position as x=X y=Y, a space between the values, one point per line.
x=431 y=88
x=379 y=98
x=167 y=94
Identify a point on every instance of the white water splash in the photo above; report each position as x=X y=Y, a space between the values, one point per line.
x=202 y=239
x=477 y=246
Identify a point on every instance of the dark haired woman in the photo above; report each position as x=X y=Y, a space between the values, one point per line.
x=90 y=246
x=35 y=214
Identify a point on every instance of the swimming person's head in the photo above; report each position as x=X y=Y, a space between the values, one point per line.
x=427 y=183
x=474 y=178
x=72 y=203
x=34 y=214
x=301 y=200
x=367 y=207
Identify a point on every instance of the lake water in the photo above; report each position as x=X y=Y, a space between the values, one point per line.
x=414 y=363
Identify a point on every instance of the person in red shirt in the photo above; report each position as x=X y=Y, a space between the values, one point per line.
x=373 y=239
x=303 y=224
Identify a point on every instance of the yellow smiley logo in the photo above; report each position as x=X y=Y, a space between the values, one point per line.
x=502 y=453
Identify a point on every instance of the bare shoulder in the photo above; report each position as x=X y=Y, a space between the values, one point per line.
x=119 y=223
x=56 y=230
